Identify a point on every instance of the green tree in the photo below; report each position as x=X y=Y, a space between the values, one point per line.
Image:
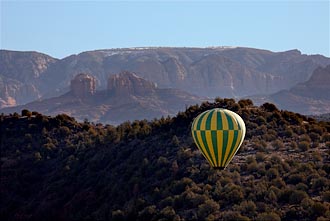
x=148 y=213
x=26 y=113
x=297 y=196
x=207 y=208
x=168 y=213
x=304 y=145
x=248 y=208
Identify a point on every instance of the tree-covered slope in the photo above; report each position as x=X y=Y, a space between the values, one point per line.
x=59 y=169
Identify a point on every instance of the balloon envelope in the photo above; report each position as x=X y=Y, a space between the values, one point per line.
x=218 y=134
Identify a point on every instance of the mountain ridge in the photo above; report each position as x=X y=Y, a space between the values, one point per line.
x=168 y=68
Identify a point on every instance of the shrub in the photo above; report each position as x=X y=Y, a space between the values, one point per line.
x=302 y=186
x=288 y=132
x=248 y=208
x=233 y=216
x=278 y=144
x=271 y=196
x=306 y=138
x=233 y=193
x=295 y=179
x=269 y=107
x=147 y=213
x=314 y=136
x=271 y=216
x=207 y=208
x=260 y=157
x=297 y=196
x=317 y=155
x=261 y=120
x=26 y=113
x=326 y=195
x=326 y=137
x=272 y=173
x=168 y=213
x=37 y=156
x=320 y=183
x=304 y=145
x=245 y=103
x=118 y=215
x=318 y=209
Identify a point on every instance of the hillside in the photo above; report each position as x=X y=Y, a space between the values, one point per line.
x=54 y=168
x=214 y=71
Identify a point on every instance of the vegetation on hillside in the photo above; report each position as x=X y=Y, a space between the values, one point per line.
x=54 y=168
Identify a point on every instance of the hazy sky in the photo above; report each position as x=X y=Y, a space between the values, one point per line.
x=62 y=28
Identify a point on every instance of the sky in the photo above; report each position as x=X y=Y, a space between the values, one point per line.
x=63 y=28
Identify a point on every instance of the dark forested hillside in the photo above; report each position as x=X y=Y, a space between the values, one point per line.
x=54 y=168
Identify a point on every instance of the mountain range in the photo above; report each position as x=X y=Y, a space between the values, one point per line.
x=199 y=72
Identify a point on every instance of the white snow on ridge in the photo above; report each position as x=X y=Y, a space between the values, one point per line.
x=222 y=47
x=121 y=51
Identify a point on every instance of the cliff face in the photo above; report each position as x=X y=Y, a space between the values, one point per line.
x=83 y=85
x=19 y=74
x=129 y=84
x=217 y=74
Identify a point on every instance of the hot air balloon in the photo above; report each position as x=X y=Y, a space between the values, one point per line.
x=218 y=134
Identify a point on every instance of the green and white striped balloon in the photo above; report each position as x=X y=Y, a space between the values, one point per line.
x=218 y=134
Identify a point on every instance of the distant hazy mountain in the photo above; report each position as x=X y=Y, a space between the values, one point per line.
x=217 y=71
x=128 y=97
x=310 y=97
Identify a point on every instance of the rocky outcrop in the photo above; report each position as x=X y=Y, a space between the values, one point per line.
x=128 y=97
x=83 y=85
x=129 y=84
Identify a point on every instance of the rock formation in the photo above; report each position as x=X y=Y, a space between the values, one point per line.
x=128 y=83
x=83 y=85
